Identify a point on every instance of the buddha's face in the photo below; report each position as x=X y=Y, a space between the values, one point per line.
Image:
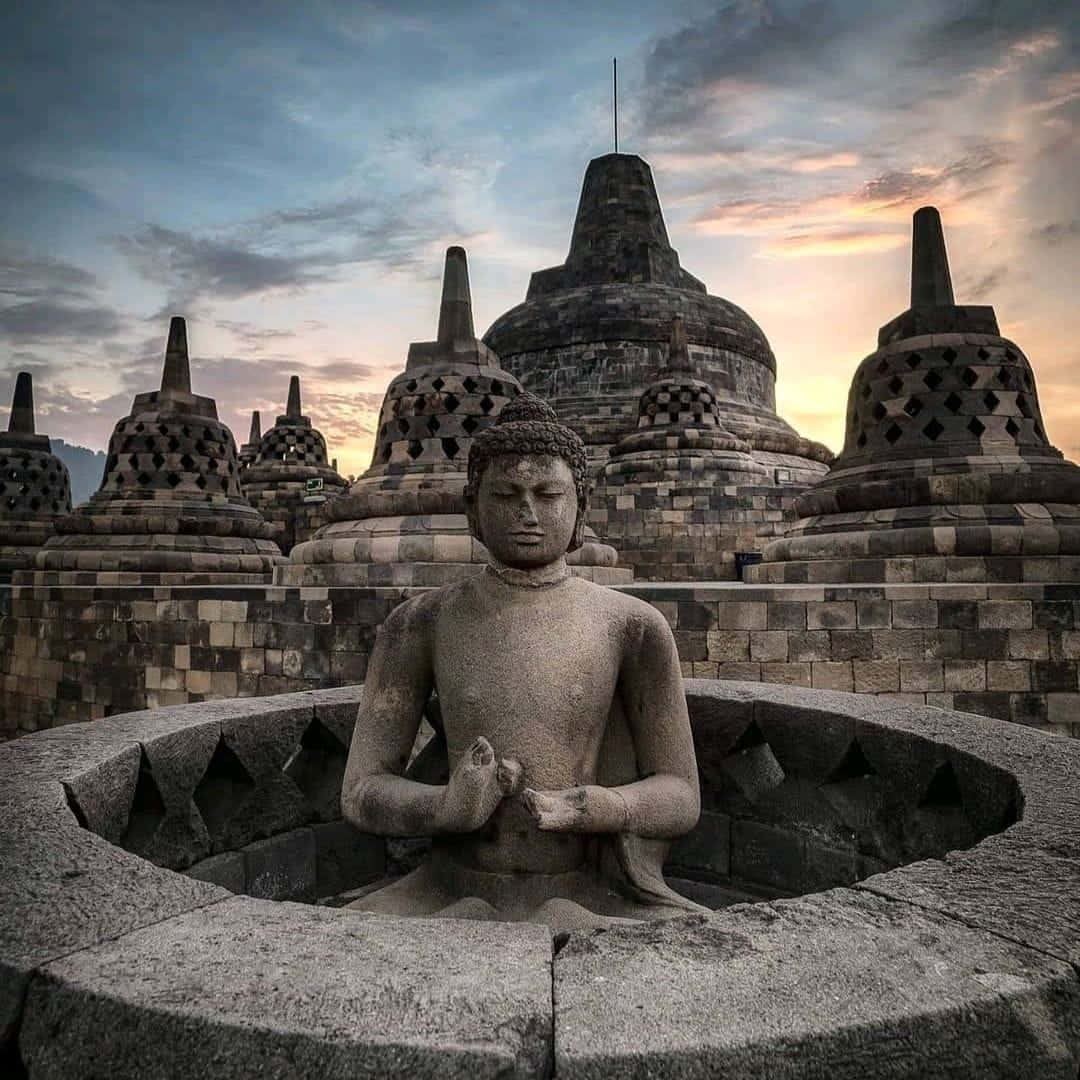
x=526 y=507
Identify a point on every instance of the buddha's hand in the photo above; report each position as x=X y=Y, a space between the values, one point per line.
x=477 y=785
x=580 y=809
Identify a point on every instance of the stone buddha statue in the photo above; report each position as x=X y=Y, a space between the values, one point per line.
x=569 y=763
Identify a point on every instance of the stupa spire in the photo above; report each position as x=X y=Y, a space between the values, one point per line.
x=455 y=311
x=292 y=409
x=22 y=405
x=931 y=285
x=176 y=375
x=256 y=427
x=678 y=358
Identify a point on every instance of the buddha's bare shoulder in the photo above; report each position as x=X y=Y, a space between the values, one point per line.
x=624 y=609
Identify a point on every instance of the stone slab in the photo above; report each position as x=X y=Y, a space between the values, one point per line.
x=838 y=985
x=253 y=988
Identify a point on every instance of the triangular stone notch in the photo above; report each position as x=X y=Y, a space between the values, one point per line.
x=317 y=767
x=852 y=766
x=943 y=791
x=147 y=810
x=752 y=765
x=224 y=786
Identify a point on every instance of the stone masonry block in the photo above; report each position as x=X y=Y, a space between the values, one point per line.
x=831 y=675
x=914 y=614
x=830 y=615
x=876 y=676
x=729 y=645
x=769 y=645
x=921 y=676
x=742 y=615
x=1005 y=615
x=969 y=675
x=1028 y=645
x=1008 y=675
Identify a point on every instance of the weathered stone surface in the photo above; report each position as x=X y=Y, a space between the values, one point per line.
x=64 y=888
x=802 y=988
x=1023 y=885
x=281 y=867
x=251 y=988
x=346 y=857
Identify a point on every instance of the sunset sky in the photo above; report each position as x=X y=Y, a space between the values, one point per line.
x=287 y=176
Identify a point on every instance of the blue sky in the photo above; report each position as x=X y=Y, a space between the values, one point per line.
x=288 y=176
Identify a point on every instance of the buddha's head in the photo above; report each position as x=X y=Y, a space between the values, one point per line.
x=528 y=485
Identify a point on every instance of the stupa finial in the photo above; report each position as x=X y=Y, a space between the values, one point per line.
x=931 y=285
x=292 y=409
x=22 y=405
x=256 y=427
x=678 y=358
x=455 y=312
x=176 y=374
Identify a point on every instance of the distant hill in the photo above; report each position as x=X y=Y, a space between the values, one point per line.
x=86 y=468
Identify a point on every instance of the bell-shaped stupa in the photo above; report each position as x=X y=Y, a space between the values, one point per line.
x=947 y=473
x=170 y=509
x=291 y=479
x=681 y=495
x=35 y=488
x=593 y=333
x=403 y=522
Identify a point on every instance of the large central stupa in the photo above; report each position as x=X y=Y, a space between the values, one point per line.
x=593 y=334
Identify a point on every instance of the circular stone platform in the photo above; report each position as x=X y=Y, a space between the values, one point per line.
x=950 y=965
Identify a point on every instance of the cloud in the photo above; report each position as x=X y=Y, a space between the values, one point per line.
x=849 y=242
x=1059 y=232
x=44 y=320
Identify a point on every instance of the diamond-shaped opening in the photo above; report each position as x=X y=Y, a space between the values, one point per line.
x=866 y=391
x=896 y=384
x=133 y=460
x=933 y=430
x=438 y=383
x=224 y=786
x=486 y=404
x=1027 y=379
x=1010 y=355
x=451 y=401
x=144 y=478
x=158 y=460
x=753 y=765
x=861 y=440
x=416 y=448
x=1005 y=376
x=172 y=479
x=419 y=404
x=1038 y=430
x=470 y=424
x=991 y=400
x=469 y=383
x=140 y=427
x=913 y=406
x=913 y=360
x=212 y=464
x=433 y=424
x=403 y=426
x=147 y=810
x=200 y=481
x=852 y=766
x=894 y=433
x=411 y=386
x=953 y=403
x=188 y=462
x=1024 y=406
x=982 y=354
x=74 y=807
x=976 y=427
x=943 y=790
x=318 y=767
x=162 y=429
x=882 y=367
x=969 y=376
x=932 y=379
x=497 y=387
x=949 y=355
x=450 y=447
x=1012 y=427
x=879 y=411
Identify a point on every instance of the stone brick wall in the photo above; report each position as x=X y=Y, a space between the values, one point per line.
x=1007 y=651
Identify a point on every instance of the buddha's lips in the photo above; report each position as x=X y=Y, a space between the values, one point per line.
x=524 y=536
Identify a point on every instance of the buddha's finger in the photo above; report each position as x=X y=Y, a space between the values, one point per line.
x=481 y=752
x=510 y=775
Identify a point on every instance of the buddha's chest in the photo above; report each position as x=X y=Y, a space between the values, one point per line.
x=539 y=686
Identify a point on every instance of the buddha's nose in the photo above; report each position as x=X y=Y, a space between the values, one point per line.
x=528 y=512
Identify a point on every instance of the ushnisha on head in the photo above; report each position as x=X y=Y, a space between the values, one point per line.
x=528 y=485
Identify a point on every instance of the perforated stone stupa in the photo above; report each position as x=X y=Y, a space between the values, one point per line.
x=947 y=473
x=681 y=494
x=593 y=333
x=35 y=487
x=291 y=478
x=403 y=522
x=169 y=509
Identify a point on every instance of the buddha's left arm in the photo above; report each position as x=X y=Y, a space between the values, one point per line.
x=667 y=801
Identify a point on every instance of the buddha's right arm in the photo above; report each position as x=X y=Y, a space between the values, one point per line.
x=376 y=797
